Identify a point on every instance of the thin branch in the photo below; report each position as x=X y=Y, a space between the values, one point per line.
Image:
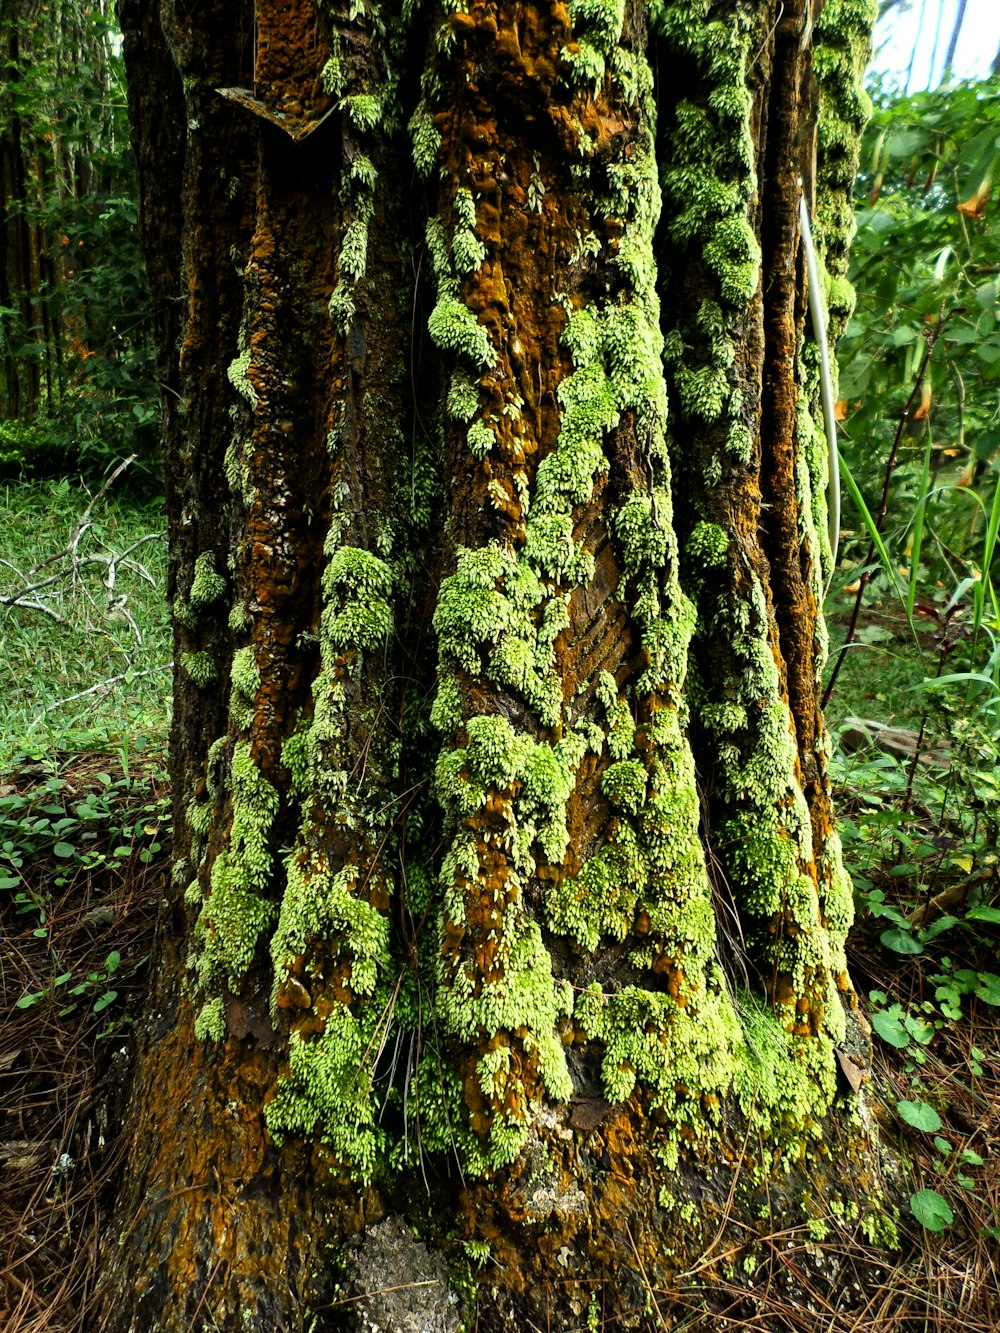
x=890 y=468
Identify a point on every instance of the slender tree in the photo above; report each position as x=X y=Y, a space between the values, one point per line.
x=956 y=32
x=503 y=960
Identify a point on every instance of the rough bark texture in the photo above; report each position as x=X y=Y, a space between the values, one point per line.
x=504 y=956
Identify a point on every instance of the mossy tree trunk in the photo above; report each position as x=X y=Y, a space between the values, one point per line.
x=507 y=910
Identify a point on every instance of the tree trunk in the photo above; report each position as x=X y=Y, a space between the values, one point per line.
x=956 y=32
x=503 y=967
x=23 y=345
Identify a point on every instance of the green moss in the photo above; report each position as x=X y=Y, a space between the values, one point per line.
x=463 y=397
x=707 y=546
x=426 y=140
x=199 y=818
x=481 y=439
x=598 y=21
x=201 y=668
x=521 y=996
x=210 y=1024
x=496 y=758
x=326 y=1089
x=692 y=1057
x=245 y=680
x=455 y=328
x=485 y=609
x=586 y=64
x=238 y=375
x=353 y=258
x=624 y=784
x=184 y=614
x=235 y=915
x=208 y=585
x=601 y=901
x=364 y=110
x=879 y=1229
x=358 y=613
x=320 y=906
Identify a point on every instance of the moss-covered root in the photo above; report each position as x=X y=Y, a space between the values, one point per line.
x=737 y=313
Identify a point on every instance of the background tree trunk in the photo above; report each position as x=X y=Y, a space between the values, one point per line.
x=507 y=908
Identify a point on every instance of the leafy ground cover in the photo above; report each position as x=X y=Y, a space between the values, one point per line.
x=85 y=852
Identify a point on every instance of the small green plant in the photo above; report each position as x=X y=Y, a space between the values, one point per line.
x=931 y=1210
x=97 y=979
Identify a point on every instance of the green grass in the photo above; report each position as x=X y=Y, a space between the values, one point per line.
x=82 y=666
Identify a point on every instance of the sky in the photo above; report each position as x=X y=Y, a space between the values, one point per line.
x=914 y=24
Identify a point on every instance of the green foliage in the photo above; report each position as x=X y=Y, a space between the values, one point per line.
x=920 y=374
x=926 y=266
x=931 y=1210
x=50 y=834
x=99 y=657
x=75 y=347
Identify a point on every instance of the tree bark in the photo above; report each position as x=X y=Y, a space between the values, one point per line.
x=502 y=970
x=956 y=32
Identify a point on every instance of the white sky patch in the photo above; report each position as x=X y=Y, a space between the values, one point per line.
x=924 y=27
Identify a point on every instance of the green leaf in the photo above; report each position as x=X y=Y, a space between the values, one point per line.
x=64 y=850
x=26 y=1001
x=918 y=1029
x=107 y=998
x=114 y=958
x=942 y=1145
x=890 y=1029
x=930 y=1210
x=988 y=989
x=937 y=927
x=900 y=941
x=921 y=1115
x=990 y=914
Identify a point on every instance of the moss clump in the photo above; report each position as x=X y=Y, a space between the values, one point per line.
x=624 y=784
x=238 y=375
x=426 y=140
x=463 y=397
x=455 y=328
x=326 y=1090
x=320 y=906
x=708 y=545
x=486 y=620
x=235 y=914
x=201 y=668
x=208 y=585
x=210 y=1024
x=358 y=613
x=497 y=757
x=600 y=902
x=245 y=680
